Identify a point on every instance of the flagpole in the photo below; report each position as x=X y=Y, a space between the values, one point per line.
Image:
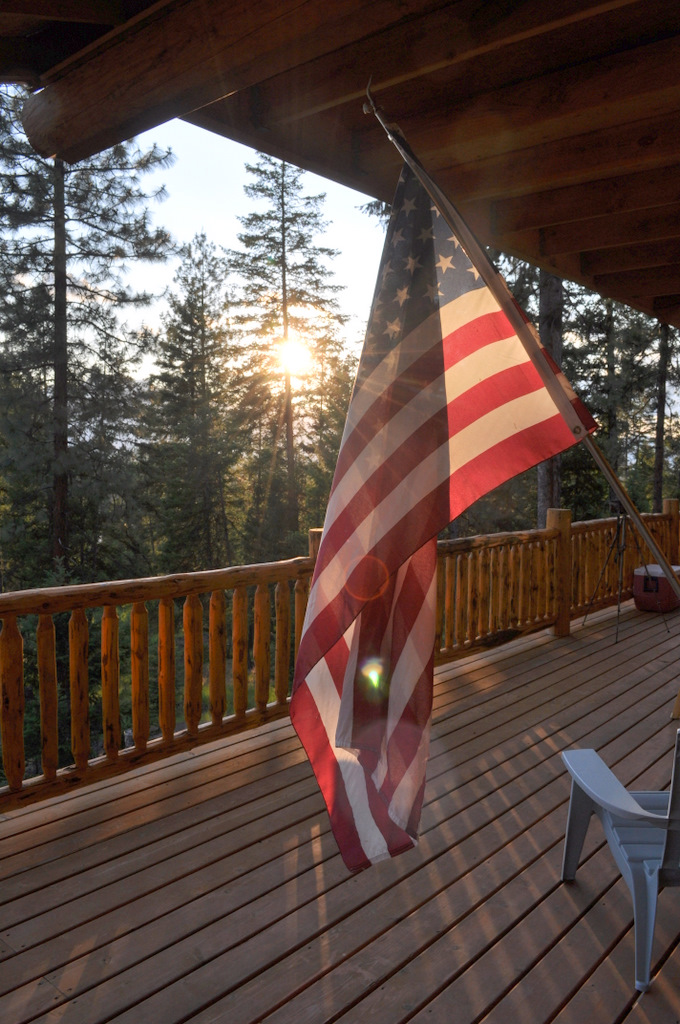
x=505 y=299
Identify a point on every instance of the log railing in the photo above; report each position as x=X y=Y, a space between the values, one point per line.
x=239 y=631
x=493 y=588
x=224 y=642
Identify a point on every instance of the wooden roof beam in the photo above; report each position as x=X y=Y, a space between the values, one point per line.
x=608 y=231
x=638 y=191
x=659 y=280
x=95 y=12
x=171 y=71
x=599 y=94
x=631 y=257
x=534 y=38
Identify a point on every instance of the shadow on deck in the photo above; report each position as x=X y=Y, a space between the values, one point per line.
x=208 y=887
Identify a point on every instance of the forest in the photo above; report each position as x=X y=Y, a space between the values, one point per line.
x=209 y=438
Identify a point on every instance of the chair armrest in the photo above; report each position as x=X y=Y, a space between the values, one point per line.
x=593 y=776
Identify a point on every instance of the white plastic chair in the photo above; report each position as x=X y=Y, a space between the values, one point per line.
x=643 y=832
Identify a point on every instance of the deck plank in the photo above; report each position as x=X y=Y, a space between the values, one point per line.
x=209 y=888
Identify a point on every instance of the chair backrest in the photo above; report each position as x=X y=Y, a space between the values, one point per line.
x=670 y=865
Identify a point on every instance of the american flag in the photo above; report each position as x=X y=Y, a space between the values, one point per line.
x=448 y=404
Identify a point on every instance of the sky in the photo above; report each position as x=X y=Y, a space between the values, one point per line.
x=205 y=193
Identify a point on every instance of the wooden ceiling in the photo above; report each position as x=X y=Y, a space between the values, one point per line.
x=553 y=125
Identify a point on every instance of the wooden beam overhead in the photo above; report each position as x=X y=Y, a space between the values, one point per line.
x=605 y=232
x=554 y=126
x=630 y=257
x=662 y=280
x=638 y=191
x=184 y=56
x=95 y=12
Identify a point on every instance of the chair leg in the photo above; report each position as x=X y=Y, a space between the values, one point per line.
x=644 y=887
x=580 y=811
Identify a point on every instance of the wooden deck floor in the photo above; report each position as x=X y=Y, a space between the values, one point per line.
x=208 y=888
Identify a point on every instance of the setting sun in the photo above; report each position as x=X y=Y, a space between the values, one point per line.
x=295 y=358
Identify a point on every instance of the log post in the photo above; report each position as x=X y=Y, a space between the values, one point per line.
x=166 y=668
x=78 y=640
x=239 y=643
x=12 y=706
x=217 y=656
x=110 y=682
x=560 y=519
x=49 y=696
x=282 y=652
x=193 y=663
x=671 y=507
x=314 y=542
x=139 y=660
x=261 y=645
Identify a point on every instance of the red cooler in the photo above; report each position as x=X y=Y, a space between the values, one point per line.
x=651 y=590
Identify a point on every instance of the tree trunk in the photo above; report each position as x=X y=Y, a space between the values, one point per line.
x=292 y=503
x=60 y=404
x=550 y=311
x=661 y=381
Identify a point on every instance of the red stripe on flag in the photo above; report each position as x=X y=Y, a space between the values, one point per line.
x=505 y=460
x=492 y=393
x=474 y=335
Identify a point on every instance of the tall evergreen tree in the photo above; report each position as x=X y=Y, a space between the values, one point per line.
x=67 y=238
x=192 y=420
x=288 y=321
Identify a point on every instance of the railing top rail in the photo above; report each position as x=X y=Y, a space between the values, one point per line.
x=494 y=540
x=51 y=600
x=584 y=525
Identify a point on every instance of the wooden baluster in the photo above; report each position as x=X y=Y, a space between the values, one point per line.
x=473 y=594
x=139 y=662
x=495 y=566
x=218 y=656
x=540 y=578
x=524 y=602
x=49 y=696
x=462 y=598
x=439 y=624
x=577 y=571
x=261 y=645
x=483 y=585
x=515 y=569
x=671 y=508
x=282 y=652
x=503 y=588
x=301 y=598
x=12 y=705
x=239 y=644
x=551 y=579
x=449 y=601
x=78 y=673
x=193 y=663
x=166 y=668
x=110 y=682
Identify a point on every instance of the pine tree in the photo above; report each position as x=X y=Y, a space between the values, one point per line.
x=68 y=236
x=287 y=316
x=193 y=428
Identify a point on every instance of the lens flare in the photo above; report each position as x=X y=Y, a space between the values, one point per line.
x=374 y=677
